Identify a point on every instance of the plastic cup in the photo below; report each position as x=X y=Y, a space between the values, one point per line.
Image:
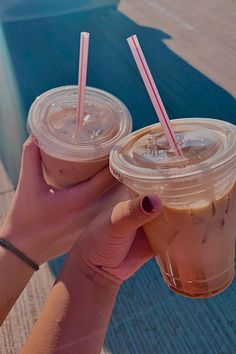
x=70 y=157
x=194 y=237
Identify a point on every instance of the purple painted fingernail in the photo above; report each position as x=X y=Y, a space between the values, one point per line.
x=150 y=204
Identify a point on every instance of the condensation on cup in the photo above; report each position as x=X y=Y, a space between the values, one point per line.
x=194 y=238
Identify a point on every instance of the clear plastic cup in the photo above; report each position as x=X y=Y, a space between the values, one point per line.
x=194 y=237
x=69 y=158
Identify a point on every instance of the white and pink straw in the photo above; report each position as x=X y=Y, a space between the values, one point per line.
x=82 y=75
x=153 y=93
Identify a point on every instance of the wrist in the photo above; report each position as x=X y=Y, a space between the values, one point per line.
x=98 y=276
x=21 y=243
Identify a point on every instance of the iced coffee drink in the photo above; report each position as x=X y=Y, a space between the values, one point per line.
x=194 y=237
x=72 y=154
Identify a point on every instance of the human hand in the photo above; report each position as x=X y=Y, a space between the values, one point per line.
x=41 y=218
x=114 y=244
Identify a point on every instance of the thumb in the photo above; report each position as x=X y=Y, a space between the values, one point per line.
x=132 y=214
x=31 y=171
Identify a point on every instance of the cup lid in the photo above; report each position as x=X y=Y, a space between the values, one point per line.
x=146 y=155
x=52 y=121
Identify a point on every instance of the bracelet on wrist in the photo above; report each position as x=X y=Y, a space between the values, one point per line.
x=7 y=245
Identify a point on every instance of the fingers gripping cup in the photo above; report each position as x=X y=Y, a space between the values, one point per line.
x=71 y=155
x=194 y=237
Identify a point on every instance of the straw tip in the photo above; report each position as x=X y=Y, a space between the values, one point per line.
x=84 y=34
x=130 y=37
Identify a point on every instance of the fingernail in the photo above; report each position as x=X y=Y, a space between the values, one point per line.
x=150 y=204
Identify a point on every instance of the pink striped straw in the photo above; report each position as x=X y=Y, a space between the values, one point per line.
x=153 y=93
x=82 y=75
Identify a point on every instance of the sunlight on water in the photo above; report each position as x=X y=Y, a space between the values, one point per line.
x=12 y=130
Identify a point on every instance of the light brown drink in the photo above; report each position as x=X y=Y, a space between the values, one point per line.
x=194 y=237
x=64 y=173
x=61 y=174
x=72 y=154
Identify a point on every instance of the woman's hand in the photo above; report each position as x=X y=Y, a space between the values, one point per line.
x=41 y=221
x=114 y=244
x=77 y=312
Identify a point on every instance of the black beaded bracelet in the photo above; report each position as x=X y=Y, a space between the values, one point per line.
x=18 y=253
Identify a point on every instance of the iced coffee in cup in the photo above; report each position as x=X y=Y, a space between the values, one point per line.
x=71 y=155
x=194 y=237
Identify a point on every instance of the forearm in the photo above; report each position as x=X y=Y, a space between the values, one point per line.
x=76 y=314
x=14 y=275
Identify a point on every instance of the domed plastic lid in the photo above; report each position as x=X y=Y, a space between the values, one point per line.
x=146 y=154
x=52 y=121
